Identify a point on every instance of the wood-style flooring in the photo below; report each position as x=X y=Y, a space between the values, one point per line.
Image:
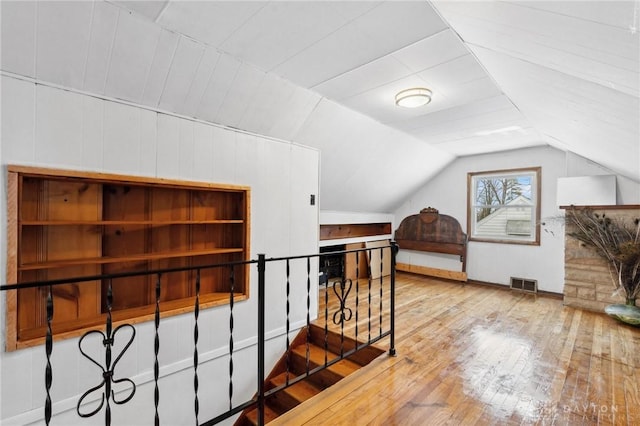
x=480 y=355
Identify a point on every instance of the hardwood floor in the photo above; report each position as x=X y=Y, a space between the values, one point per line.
x=471 y=354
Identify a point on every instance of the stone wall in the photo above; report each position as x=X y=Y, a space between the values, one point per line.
x=588 y=283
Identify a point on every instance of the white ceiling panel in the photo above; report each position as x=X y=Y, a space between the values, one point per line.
x=149 y=8
x=369 y=76
x=213 y=97
x=362 y=42
x=338 y=53
x=407 y=21
x=270 y=100
x=132 y=56
x=495 y=105
x=239 y=95
x=200 y=81
x=278 y=108
x=103 y=30
x=184 y=66
x=447 y=75
x=211 y=22
x=471 y=91
x=589 y=119
x=600 y=53
x=495 y=143
x=504 y=123
x=439 y=48
x=63 y=31
x=300 y=105
x=18 y=37
x=162 y=59
x=509 y=122
x=622 y=15
x=280 y=30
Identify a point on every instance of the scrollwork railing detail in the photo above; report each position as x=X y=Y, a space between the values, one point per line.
x=108 y=370
x=342 y=289
x=108 y=373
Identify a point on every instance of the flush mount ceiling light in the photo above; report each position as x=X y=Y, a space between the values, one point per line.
x=414 y=97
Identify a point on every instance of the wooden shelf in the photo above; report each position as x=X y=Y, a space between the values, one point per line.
x=128 y=222
x=128 y=258
x=67 y=224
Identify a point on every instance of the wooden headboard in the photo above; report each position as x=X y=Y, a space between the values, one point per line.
x=433 y=232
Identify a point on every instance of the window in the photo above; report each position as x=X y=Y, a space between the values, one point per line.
x=504 y=206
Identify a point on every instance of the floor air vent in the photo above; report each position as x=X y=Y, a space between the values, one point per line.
x=524 y=284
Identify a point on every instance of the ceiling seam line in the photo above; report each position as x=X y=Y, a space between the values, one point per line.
x=591 y=21
x=86 y=56
x=380 y=57
x=195 y=75
x=166 y=77
x=111 y=48
x=318 y=41
x=519 y=29
x=518 y=58
x=155 y=54
x=242 y=25
x=412 y=73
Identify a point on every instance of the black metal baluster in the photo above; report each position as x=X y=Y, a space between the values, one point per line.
x=108 y=342
x=261 y=336
x=381 y=280
x=156 y=349
x=196 y=313
x=357 y=295
x=392 y=300
x=308 y=353
x=369 y=296
x=326 y=321
x=48 y=372
x=231 y=291
x=288 y=343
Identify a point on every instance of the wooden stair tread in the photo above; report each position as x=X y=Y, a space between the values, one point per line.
x=301 y=391
x=285 y=399
x=269 y=415
x=317 y=356
x=334 y=343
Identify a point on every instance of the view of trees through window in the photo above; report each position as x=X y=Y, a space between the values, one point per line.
x=494 y=192
x=504 y=206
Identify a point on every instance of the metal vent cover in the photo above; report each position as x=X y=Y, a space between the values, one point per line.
x=524 y=284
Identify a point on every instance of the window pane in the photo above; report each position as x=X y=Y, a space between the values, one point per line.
x=505 y=223
x=503 y=206
x=492 y=191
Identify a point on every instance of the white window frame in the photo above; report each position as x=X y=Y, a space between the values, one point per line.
x=530 y=238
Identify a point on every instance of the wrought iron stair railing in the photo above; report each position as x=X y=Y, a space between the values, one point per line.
x=352 y=315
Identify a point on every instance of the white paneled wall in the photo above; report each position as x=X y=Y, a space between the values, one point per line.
x=50 y=127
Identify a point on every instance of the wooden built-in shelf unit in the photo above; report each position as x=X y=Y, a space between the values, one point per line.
x=66 y=224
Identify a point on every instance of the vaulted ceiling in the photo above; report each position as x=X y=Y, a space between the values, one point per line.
x=504 y=75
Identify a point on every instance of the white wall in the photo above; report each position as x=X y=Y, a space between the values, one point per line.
x=46 y=126
x=496 y=263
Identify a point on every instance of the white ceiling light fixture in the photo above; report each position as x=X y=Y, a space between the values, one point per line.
x=414 y=97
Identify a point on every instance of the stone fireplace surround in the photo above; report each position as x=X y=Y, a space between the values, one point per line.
x=588 y=284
